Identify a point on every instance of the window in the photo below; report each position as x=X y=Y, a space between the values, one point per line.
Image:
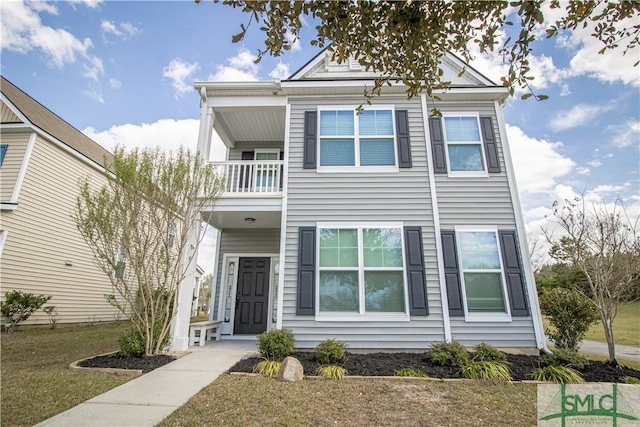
x=267 y=176
x=481 y=272
x=464 y=144
x=3 y=151
x=361 y=270
x=360 y=140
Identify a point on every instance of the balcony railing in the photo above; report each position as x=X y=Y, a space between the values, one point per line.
x=251 y=177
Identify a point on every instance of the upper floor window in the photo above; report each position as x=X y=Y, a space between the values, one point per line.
x=464 y=144
x=362 y=140
x=3 y=151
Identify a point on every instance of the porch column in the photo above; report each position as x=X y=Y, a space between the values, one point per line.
x=184 y=298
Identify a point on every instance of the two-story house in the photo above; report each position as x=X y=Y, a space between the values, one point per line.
x=389 y=228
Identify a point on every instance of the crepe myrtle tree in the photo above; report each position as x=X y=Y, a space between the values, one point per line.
x=405 y=40
x=139 y=227
x=603 y=243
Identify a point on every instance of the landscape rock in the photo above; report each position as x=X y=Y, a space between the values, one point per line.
x=290 y=370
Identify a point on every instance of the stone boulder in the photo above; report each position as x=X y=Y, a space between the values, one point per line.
x=290 y=370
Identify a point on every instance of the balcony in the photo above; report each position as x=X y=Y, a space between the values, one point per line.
x=252 y=195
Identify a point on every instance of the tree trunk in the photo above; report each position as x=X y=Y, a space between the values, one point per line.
x=611 y=345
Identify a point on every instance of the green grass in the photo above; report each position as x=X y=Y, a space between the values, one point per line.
x=36 y=381
x=626 y=326
x=201 y=317
x=234 y=400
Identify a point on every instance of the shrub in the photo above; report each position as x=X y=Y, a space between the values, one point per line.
x=487 y=370
x=52 y=312
x=570 y=315
x=18 y=306
x=557 y=374
x=564 y=357
x=131 y=344
x=410 y=372
x=268 y=368
x=486 y=352
x=630 y=380
x=276 y=344
x=331 y=352
x=449 y=354
x=332 y=372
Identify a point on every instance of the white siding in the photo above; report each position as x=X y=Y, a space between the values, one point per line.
x=12 y=162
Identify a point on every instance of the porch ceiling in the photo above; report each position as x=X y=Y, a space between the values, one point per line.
x=250 y=124
x=236 y=219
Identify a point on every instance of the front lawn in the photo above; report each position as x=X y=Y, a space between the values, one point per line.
x=234 y=400
x=36 y=381
x=626 y=326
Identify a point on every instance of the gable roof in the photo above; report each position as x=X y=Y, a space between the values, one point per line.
x=41 y=117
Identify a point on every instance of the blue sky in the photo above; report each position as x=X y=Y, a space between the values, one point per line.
x=123 y=72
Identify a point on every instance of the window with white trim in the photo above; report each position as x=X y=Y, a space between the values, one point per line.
x=482 y=276
x=350 y=140
x=361 y=270
x=267 y=176
x=464 y=148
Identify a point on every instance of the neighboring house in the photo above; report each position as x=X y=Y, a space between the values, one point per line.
x=41 y=250
x=386 y=229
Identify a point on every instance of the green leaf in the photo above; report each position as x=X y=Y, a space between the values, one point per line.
x=526 y=96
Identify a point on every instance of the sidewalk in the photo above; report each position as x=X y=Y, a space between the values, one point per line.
x=623 y=352
x=149 y=399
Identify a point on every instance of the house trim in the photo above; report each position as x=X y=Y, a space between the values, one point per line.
x=23 y=170
x=283 y=215
x=227 y=327
x=212 y=301
x=522 y=240
x=436 y=222
x=3 y=239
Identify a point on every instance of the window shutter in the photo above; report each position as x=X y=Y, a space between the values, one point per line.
x=513 y=273
x=402 y=139
x=310 y=139
x=306 y=271
x=437 y=145
x=490 y=145
x=451 y=273
x=418 y=305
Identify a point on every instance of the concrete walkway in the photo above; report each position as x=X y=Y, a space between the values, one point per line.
x=623 y=352
x=149 y=399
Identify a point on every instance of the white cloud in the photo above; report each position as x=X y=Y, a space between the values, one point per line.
x=577 y=115
x=95 y=95
x=242 y=67
x=126 y=29
x=115 y=83
x=94 y=69
x=166 y=134
x=88 y=3
x=537 y=162
x=625 y=135
x=583 y=171
x=23 y=31
x=178 y=72
x=595 y=163
x=281 y=71
x=295 y=42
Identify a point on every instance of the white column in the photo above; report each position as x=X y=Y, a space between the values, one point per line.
x=184 y=298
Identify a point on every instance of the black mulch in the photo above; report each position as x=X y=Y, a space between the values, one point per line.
x=146 y=364
x=386 y=364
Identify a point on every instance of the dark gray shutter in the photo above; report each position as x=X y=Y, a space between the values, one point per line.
x=490 y=145
x=418 y=305
x=306 y=271
x=402 y=139
x=513 y=273
x=437 y=145
x=310 y=139
x=451 y=273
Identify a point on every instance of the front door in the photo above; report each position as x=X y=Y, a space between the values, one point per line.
x=252 y=296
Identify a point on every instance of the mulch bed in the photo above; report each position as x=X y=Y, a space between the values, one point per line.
x=386 y=364
x=116 y=360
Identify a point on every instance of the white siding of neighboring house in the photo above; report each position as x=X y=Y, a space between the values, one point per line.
x=6 y=115
x=17 y=143
x=42 y=236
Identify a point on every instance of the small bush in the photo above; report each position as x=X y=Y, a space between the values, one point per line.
x=267 y=368
x=570 y=315
x=18 y=306
x=276 y=344
x=487 y=370
x=486 y=352
x=557 y=374
x=52 y=312
x=630 y=380
x=131 y=344
x=331 y=352
x=564 y=357
x=410 y=372
x=332 y=372
x=449 y=354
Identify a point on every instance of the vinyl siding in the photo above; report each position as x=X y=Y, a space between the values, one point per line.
x=402 y=196
x=247 y=241
x=42 y=236
x=6 y=115
x=12 y=161
x=517 y=333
